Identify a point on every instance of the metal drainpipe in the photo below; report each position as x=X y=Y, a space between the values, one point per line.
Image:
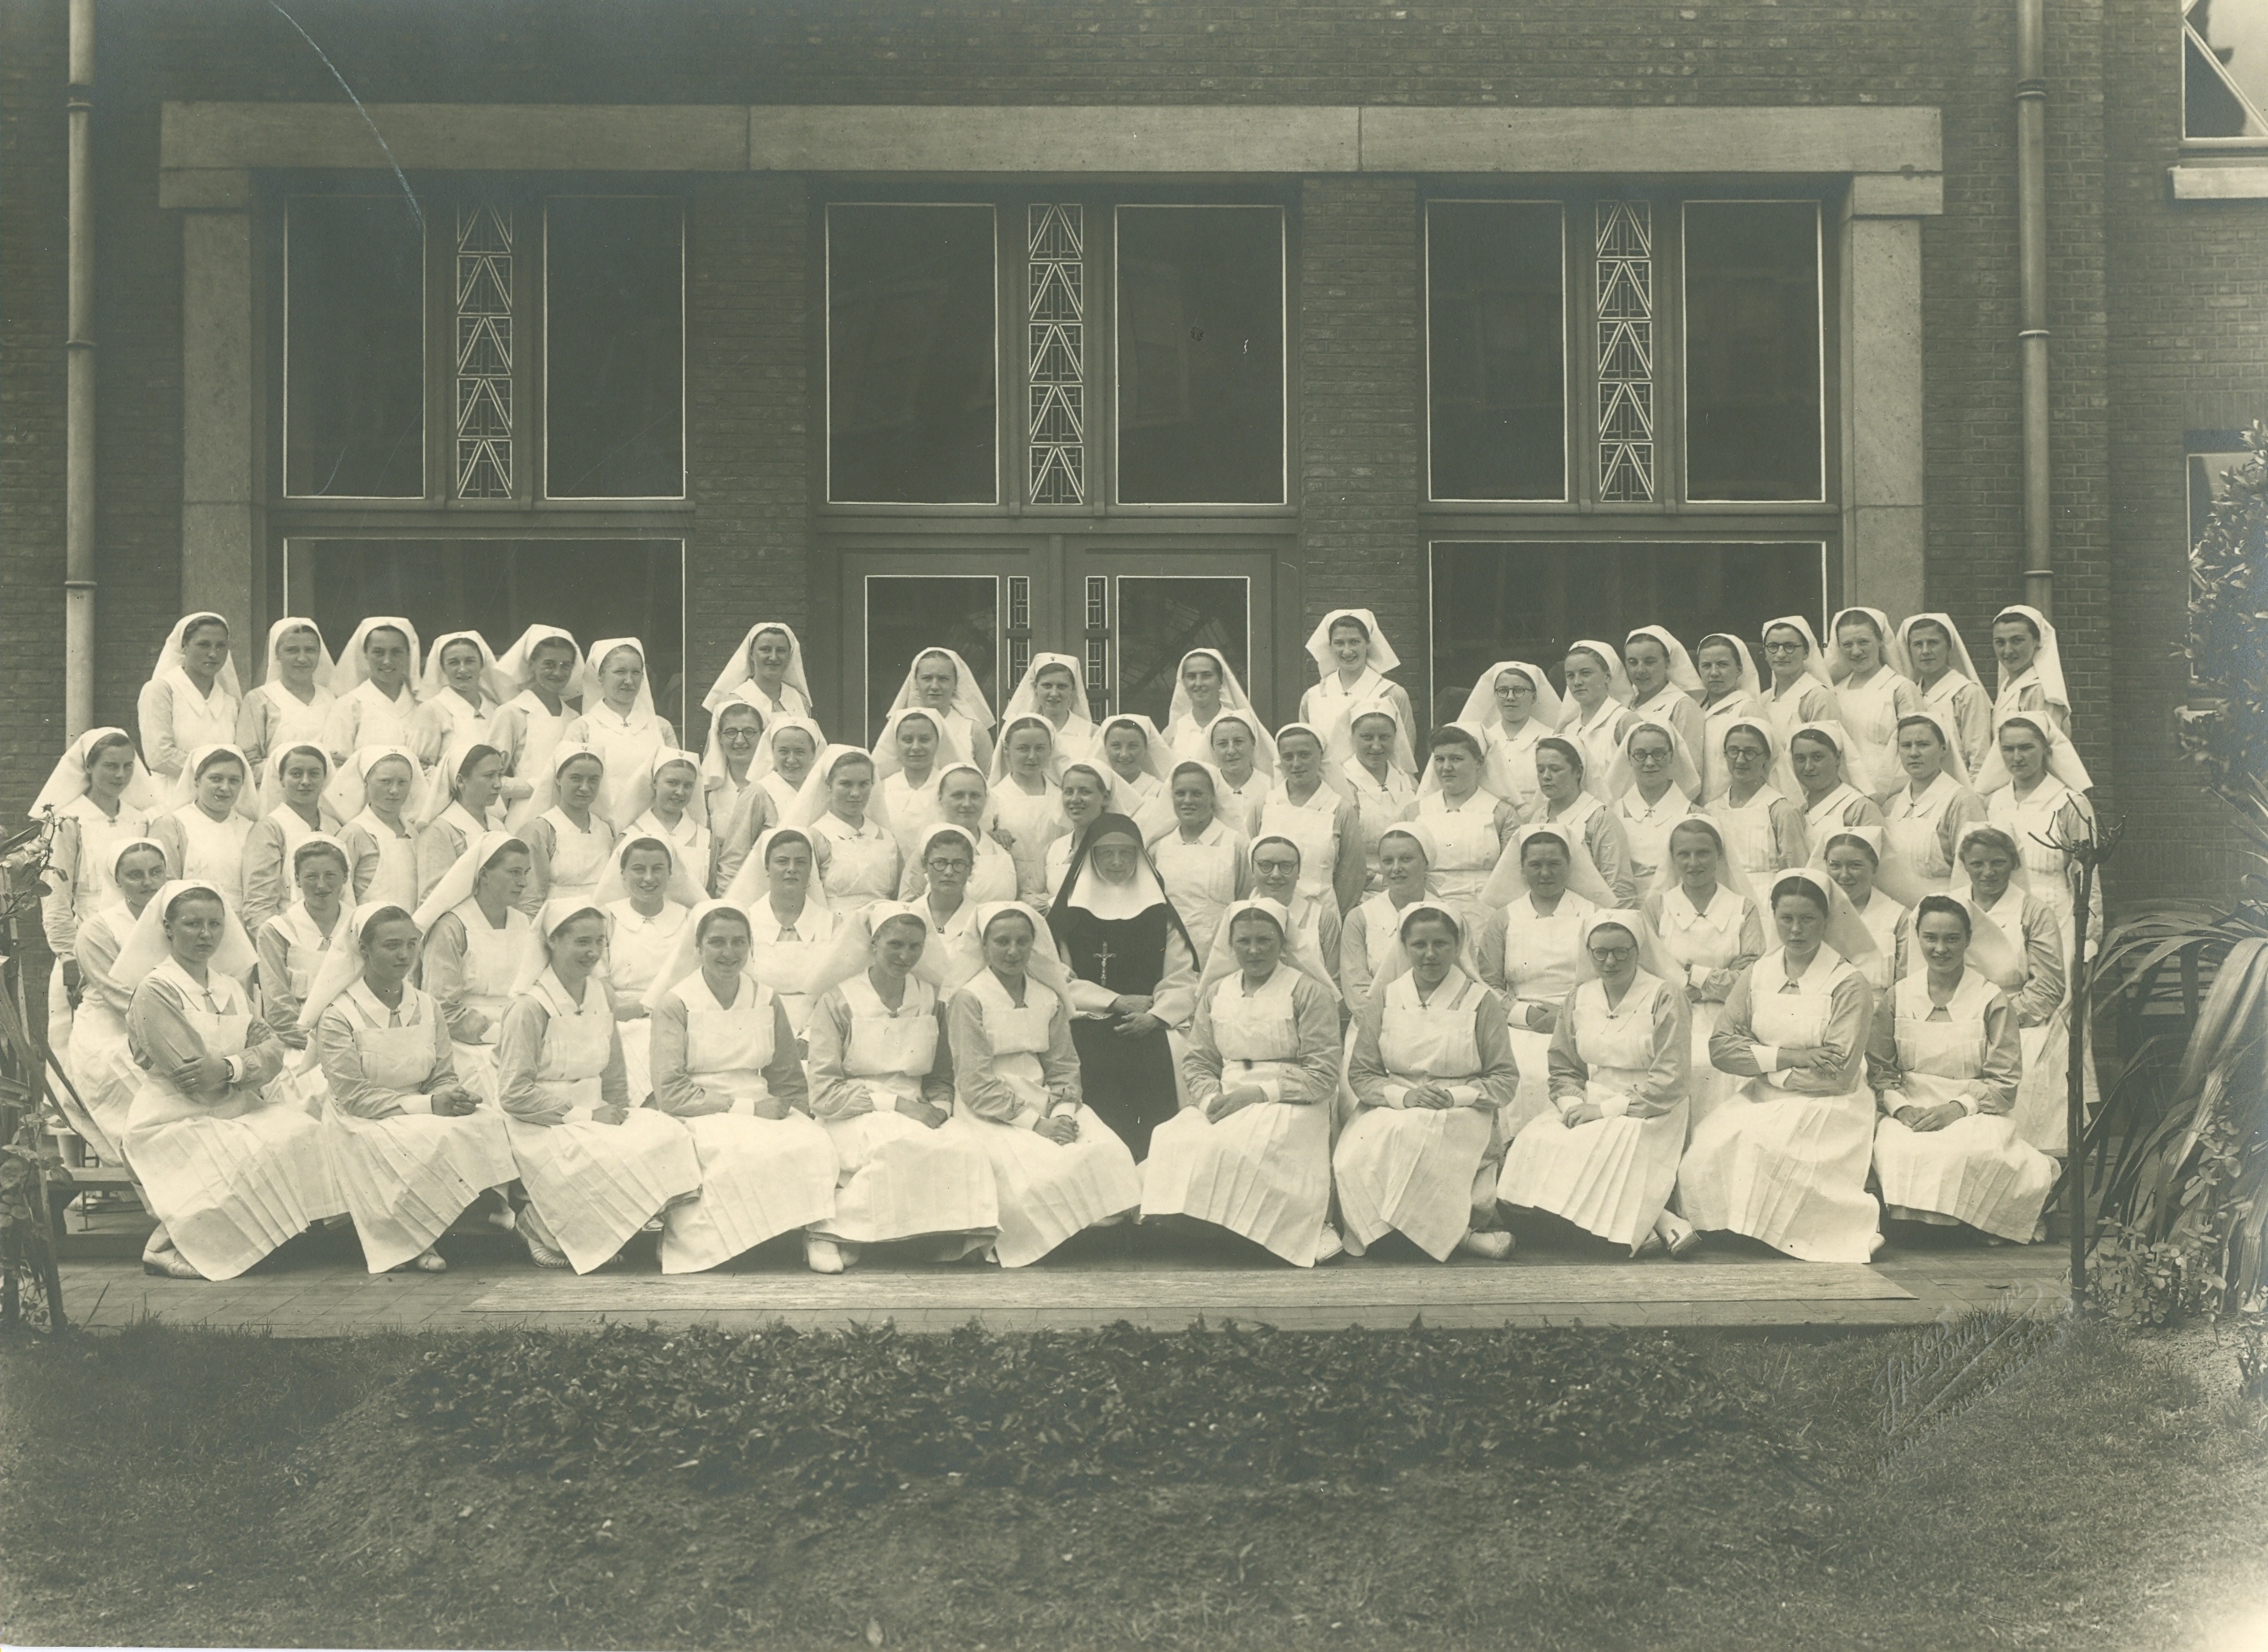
x=2032 y=264
x=78 y=388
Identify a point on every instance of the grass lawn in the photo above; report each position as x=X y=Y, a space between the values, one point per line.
x=169 y=1486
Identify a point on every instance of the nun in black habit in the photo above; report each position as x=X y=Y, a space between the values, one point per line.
x=1135 y=975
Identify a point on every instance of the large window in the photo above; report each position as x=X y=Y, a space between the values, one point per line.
x=354 y=347
x=613 y=346
x=1754 y=408
x=1496 y=350
x=2225 y=71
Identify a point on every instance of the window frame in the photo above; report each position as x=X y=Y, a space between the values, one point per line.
x=1685 y=205
x=282 y=461
x=543 y=369
x=1569 y=488
x=2257 y=144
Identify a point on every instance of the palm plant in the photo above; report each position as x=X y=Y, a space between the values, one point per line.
x=2181 y=1165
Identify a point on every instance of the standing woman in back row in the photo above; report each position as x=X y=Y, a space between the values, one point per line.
x=1352 y=658
x=457 y=695
x=293 y=701
x=377 y=706
x=103 y=799
x=2031 y=666
x=542 y=671
x=619 y=723
x=940 y=680
x=191 y=698
x=1872 y=698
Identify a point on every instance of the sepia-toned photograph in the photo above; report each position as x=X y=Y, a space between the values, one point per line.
x=1029 y=825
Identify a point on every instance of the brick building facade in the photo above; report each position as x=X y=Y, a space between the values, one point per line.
x=1354 y=123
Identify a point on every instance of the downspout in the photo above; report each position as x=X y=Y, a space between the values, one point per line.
x=78 y=388
x=2032 y=267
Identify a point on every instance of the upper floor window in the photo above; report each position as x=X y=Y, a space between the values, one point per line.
x=413 y=330
x=2225 y=70
x=960 y=336
x=1624 y=348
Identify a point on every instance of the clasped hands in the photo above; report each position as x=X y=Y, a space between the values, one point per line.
x=1131 y=1017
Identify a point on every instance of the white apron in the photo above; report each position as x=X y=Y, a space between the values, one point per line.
x=100 y=837
x=1977 y=1169
x=1881 y=916
x=1468 y=844
x=1377 y=807
x=1264 y=1172
x=1332 y=707
x=1509 y=769
x=212 y=850
x=1314 y=826
x=896 y=1178
x=636 y=950
x=544 y=732
x=1033 y=822
x=628 y=748
x=1911 y=826
x=1047 y=1192
x=1418 y=1170
x=1614 y=1175
x=578 y=858
x=1711 y=940
x=760 y=1177
x=788 y=966
x=379 y=721
x=395 y=880
x=96 y=1055
x=862 y=864
x=910 y=810
x=594 y=1185
x=1831 y=813
x=1785 y=1169
x=301 y=1084
x=1594 y=736
x=1646 y=827
x=2043 y=1112
x=491 y=957
x=1199 y=879
x=233 y=1180
x=1540 y=960
x=200 y=719
x=404 y=1179
x=1869 y=713
x=1748 y=829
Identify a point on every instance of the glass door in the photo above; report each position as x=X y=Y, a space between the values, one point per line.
x=1135 y=615
x=895 y=604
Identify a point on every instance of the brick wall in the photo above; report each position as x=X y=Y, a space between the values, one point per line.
x=2155 y=313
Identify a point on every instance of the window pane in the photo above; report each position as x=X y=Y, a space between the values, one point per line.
x=1200 y=355
x=912 y=374
x=614 y=348
x=1161 y=619
x=908 y=613
x=1496 y=341
x=354 y=348
x=1752 y=392
x=2225 y=69
x=610 y=587
x=1521 y=600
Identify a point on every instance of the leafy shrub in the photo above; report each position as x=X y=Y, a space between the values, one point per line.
x=864 y=1411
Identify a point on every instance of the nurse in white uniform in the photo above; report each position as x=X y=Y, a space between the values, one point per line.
x=785 y=753
x=1511 y=707
x=671 y=806
x=412 y=1147
x=1764 y=829
x=1945 y=1063
x=1571 y=808
x=230 y=1173
x=1370 y=943
x=377 y=703
x=940 y=680
x=791 y=924
x=1140 y=764
x=1431 y=1070
x=1470 y=823
x=1705 y=926
x=1730 y=688
x=882 y=1085
x=1785 y=1159
x=103 y=799
x=462 y=801
x=192 y=699
x=1835 y=793
x=1653 y=785
x=1663 y=684
x=381 y=846
x=2017 y=943
x=910 y=758
x=1597 y=701
x=294 y=699
x=101 y=1068
x=1872 y=699
x=1201 y=861
x=1530 y=950
x=2031 y=668
x=1803 y=690
x=1250 y=1148
x=1607 y=1159
x=1204 y=686
x=1857 y=859
x=1058 y=1170
x=861 y=863
x=295 y=805
x=725 y=1063
x=475 y=939
x=965 y=804
x=1352 y=658
x=571 y=842
x=457 y=695
x=620 y=723
x=543 y=674
x=205 y=829
x=596 y=1169
x=645 y=896
x=1322 y=820
x=1051 y=690
x=1927 y=651
x=1382 y=788
x=292 y=945
x=1925 y=818
x=765 y=671
x=1026 y=796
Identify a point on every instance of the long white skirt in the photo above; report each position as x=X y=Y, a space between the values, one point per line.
x=1531 y=1052
x=1788 y=1170
x=594 y=1185
x=1264 y=1172
x=476 y=1070
x=103 y=1073
x=1612 y=1177
x=1976 y=1170
x=760 y=1177
x=897 y=1178
x=1710 y=1086
x=301 y=1084
x=1048 y=1192
x=231 y=1190
x=1411 y=1170
x=406 y=1178
x=2042 y=1112
x=637 y=1056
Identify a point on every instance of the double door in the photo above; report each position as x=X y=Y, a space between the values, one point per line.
x=1127 y=616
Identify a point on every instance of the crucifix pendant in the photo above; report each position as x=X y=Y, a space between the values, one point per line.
x=1102 y=964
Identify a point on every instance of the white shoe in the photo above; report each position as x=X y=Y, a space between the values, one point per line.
x=1348 y=1243
x=822 y=1255
x=1492 y=1242
x=430 y=1261
x=1332 y=1247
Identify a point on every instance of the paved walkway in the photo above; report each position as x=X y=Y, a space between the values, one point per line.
x=317 y=1287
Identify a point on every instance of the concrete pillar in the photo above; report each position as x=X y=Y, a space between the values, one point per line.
x=1883 y=541
x=220 y=510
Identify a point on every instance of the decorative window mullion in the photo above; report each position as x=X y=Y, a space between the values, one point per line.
x=1627 y=356
x=483 y=350
x=1056 y=354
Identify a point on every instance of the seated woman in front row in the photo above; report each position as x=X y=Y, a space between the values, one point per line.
x=229 y=1173
x=1619 y=1059
x=1251 y=1152
x=1432 y=1068
x=882 y=1085
x=1945 y=1062
x=1784 y=1158
x=1058 y=1167
x=413 y=1148
x=723 y=1062
x=596 y=1169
